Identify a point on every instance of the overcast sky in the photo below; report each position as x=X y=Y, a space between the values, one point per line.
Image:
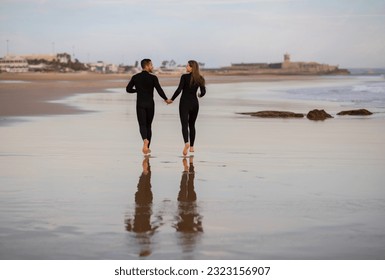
x=348 y=33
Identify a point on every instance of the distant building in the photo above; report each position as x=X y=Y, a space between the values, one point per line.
x=103 y=68
x=40 y=57
x=307 y=67
x=246 y=66
x=98 y=67
x=64 y=58
x=171 y=67
x=130 y=69
x=112 y=68
x=287 y=67
x=174 y=70
x=13 y=64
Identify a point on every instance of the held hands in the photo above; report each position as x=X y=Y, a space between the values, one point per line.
x=168 y=101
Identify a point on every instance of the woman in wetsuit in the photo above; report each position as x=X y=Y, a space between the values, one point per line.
x=189 y=105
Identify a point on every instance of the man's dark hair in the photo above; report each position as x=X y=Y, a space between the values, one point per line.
x=145 y=62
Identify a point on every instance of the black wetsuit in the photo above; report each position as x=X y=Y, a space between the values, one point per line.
x=144 y=84
x=188 y=106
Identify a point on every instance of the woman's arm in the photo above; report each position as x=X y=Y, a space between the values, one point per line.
x=203 y=91
x=179 y=89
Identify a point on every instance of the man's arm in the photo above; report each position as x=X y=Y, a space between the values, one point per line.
x=159 y=89
x=130 y=87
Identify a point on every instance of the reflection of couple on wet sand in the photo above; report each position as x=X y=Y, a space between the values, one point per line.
x=188 y=221
x=144 y=84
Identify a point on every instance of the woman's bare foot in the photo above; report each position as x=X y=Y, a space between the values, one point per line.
x=145 y=149
x=185 y=166
x=185 y=149
x=146 y=165
x=191 y=149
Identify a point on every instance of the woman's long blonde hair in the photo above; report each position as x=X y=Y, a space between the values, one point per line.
x=196 y=77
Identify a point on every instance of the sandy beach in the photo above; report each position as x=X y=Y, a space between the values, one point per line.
x=26 y=94
x=74 y=184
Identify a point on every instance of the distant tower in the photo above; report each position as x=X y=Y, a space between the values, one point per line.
x=286 y=57
x=286 y=61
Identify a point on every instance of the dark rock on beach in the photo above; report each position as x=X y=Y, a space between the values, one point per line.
x=358 y=112
x=274 y=114
x=318 y=115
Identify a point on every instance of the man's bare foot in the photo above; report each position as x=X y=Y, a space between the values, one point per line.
x=185 y=149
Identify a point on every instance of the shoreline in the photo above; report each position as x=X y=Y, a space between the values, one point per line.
x=30 y=94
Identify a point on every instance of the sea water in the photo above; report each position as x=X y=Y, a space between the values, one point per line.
x=363 y=92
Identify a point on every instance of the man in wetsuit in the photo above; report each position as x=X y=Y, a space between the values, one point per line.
x=143 y=84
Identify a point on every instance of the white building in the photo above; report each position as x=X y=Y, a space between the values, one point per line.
x=98 y=67
x=45 y=57
x=102 y=67
x=64 y=58
x=13 y=64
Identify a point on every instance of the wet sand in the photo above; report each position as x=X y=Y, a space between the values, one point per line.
x=76 y=186
x=29 y=94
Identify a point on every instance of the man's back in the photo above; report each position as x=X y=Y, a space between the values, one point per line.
x=144 y=84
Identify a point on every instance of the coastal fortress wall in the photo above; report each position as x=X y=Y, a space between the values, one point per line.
x=62 y=63
x=287 y=67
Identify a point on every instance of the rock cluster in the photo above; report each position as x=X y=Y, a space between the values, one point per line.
x=314 y=115
x=359 y=112
x=318 y=115
x=275 y=114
